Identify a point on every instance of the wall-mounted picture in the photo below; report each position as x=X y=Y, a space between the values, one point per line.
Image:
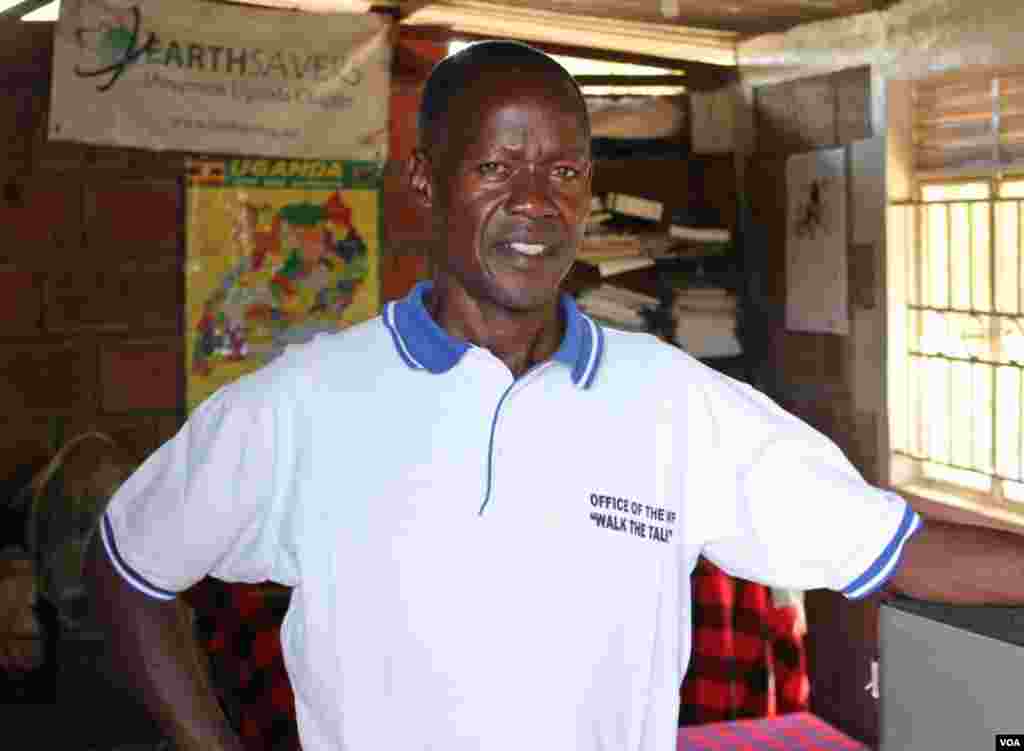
x=277 y=251
x=816 y=273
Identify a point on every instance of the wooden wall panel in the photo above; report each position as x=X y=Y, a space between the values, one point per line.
x=712 y=189
x=813 y=113
x=796 y=116
x=811 y=375
x=853 y=105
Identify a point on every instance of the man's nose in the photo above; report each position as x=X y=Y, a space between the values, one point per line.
x=531 y=193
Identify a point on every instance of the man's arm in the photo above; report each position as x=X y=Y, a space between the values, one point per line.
x=153 y=645
x=962 y=564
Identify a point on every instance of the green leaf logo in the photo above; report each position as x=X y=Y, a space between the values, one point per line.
x=117 y=47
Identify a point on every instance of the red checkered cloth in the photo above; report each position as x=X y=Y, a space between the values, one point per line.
x=748 y=657
x=239 y=627
x=799 y=731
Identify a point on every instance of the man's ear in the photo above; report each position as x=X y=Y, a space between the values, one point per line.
x=419 y=178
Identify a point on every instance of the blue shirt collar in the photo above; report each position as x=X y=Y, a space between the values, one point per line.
x=423 y=345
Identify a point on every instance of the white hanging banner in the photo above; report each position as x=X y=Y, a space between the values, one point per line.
x=196 y=76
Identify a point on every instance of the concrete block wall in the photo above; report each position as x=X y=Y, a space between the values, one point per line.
x=90 y=283
x=91 y=254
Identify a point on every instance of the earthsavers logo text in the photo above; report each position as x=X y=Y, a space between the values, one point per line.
x=114 y=38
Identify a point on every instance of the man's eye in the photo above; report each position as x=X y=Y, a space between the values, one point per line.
x=492 y=169
x=567 y=173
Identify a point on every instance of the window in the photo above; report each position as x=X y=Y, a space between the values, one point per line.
x=955 y=278
x=958 y=396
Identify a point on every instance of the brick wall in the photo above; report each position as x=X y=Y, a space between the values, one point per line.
x=91 y=283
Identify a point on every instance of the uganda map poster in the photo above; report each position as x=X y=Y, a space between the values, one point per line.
x=276 y=251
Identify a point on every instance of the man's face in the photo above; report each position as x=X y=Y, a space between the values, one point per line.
x=511 y=189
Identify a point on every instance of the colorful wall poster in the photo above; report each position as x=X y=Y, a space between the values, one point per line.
x=276 y=252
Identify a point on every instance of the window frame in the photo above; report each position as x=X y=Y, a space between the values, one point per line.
x=906 y=471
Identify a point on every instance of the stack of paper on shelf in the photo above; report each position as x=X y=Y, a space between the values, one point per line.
x=705 y=322
x=704 y=299
x=700 y=234
x=635 y=206
x=698 y=242
x=614 y=252
x=617 y=307
x=596 y=220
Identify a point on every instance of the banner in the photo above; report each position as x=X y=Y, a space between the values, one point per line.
x=197 y=76
x=817 y=297
x=276 y=252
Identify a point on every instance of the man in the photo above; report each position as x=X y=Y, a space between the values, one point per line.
x=506 y=562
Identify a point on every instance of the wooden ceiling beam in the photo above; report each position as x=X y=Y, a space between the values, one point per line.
x=536 y=26
x=698 y=76
x=23 y=8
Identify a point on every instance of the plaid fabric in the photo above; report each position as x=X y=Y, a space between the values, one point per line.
x=747 y=658
x=799 y=731
x=239 y=627
x=792 y=685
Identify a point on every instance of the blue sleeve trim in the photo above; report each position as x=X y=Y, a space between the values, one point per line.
x=879 y=572
x=130 y=575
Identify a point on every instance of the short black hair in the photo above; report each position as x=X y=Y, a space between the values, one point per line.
x=452 y=75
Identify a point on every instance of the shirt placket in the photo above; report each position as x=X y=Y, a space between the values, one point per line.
x=494 y=449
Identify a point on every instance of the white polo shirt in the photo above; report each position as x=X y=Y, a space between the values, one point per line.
x=490 y=563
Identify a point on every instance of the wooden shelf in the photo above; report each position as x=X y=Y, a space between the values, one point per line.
x=700 y=188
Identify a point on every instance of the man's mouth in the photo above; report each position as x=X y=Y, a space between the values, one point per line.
x=528 y=249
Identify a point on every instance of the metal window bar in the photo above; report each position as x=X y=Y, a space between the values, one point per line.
x=974 y=360
x=924 y=238
x=921 y=279
x=972 y=467
x=966 y=311
x=947 y=211
x=970 y=262
x=993 y=233
x=1020 y=229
